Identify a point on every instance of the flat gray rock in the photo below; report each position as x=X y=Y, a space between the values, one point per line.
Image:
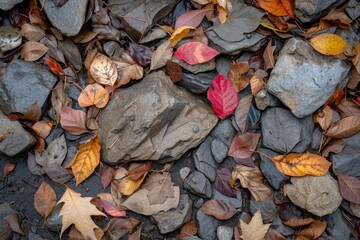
x=10 y=38
x=304 y=79
x=219 y=150
x=8 y=4
x=152 y=120
x=197 y=83
x=23 y=84
x=337 y=227
x=264 y=99
x=198 y=184
x=267 y=208
x=224 y=131
x=282 y=132
x=196 y=68
x=235 y=202
x=204 y=161
x=224 y=233
x=138 y=16
x=207 y=226
x=68 y=18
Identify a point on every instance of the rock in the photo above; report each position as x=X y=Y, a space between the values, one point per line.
x=311 y=10
x=54 y=133
x=5 y=210
x=218 y=150
x=278 y=225
x=173 y=219
x=235 y=202
x=197 y=68
x=264 y=99
x=68 y=18
x=192 y=238
x=198 y=203
x=154 y=34
x=198 y=184
x=318 y=195
x=318 y=74
x=8 y=4
x=184 y=172
x=349 y=36
x=207 y=225
x=160 y=121
x=347 y=161
x=23 y=84
x=224 y=233
x=337 y=227
x=203 y=160
x=139 y=16
x=283 y=132
x=10 y=38
x=317 y=138
x=14 y=139
x=267 y=208
x=54 y=220
x=274 y=177
x=113 y=48
x=224 y=131
x=223 y=64
x=197 y=83
x=71 y=152
x=353 y=9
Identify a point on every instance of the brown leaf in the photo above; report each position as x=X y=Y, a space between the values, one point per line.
x=188 y=230
x=118 y=227
x=138 y=170
x=325 y=117
x=268 y=56
x=242 y=112
x=298 y=222
x=107 y=175
x=45 y=199
x=219 y=209
x=256 y=84
x=13 y=221
x=174 y=71
x=135 y=235
x=33 y=113
x=73 y=120
x=127 y=69
x=349 y=187
x=243 y=146
x=255 y=230
x=335 y=147
x=93 y=94
x=32 y=51
x=273 y=234
x=9 y=167
x=161 y=55
x=42 y=129
x=313 y=231
x=237 y=74
x=32 y=32
x=344 y=128
x=59 y=99
x=58 y=173
x=349 y=107
x=103 y=70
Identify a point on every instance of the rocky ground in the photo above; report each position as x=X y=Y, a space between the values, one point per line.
x=260 y=140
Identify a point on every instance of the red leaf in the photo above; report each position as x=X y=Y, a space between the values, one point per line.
x=107 y=175
x=8 y=168
x=195 y=52
x=112 y=211
x=223 y=96
x=191 y=18
x=137 y=170
x=54 y=65
x=223 y=176
x=73 y=120
x=242 y=146
x=349 y=188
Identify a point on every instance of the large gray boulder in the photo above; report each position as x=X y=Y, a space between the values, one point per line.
x=152 y=120
x=23 y=84
x=8 y=4
x=304 y=79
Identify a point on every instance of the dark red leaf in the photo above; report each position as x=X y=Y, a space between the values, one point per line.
x=222 y=96
x=349 y=188
x=191 y=18
x=9 y=167
x=107 y=175
x=53 y=65
x=256 y=61
x=221 y=182
x=195 y=52
x=243 y=146
x=137 y=170
x=174 y=71
x=141 y=54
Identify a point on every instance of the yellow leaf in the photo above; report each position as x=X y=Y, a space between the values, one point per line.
x=127 y=186
x=78 y=210
x=93 y=94
x=179 y=34
x=86 y=160
x=329 y=44
x=357 y=48
x=103 y=70
x=302 y=164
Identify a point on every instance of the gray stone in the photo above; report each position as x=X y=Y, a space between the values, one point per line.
x=68 y=18
x=278 y=225
x=139 y=16
x=54 y=220
x=71 y=152
x=224 y=233
x=203 y=160
x=311 y=10
x=264 y=99
x=207 y=225
x=274 y=177
x=151 y=120
x=14 y=139
x=8 y=4
x=197 y=83
x=304 y=79
x=223 y=64
x=236 y=202
x=184 y=172
x=267 y=208
x=10 y=38
x=347 y=161
x=337 y=228
x=219 y=150
x=173 y=219
x=224 y=131
x=317 y=138
x=154 y=34
x=54 y=133
x=353 y=9
x=349 y=36
x=283 y=132
x=192 y=238
x=198 y=184
x=196 y=68
x=198 y=203
x=23 y=84
x=318 y=195
x=5 y=210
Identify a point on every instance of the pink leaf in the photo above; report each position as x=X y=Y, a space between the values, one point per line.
x=191 y=18
x=73 y=121
x=195 y=52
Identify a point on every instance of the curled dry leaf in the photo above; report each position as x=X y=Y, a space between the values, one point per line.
x=179 y=34
x=256 y=84
x=335 y=147
x=93 y=94
x=32 y=51
x=219 y=209
x=268 y=56
x=32 y=32
x=42 y=129
x=301 y=164
x=45 y=199
x=298 y=222
x=349 y=188
x=86 y=160
x=237 y=74
x=103 y=70
x=138 y=170
x=344 y=128
x=161 y=55
x=243 y=146
x=255 y=229
x=127 y=69
x=73 y=121
x=325 y=117
x=53 y=65
x=195 y=52
x=313 y=231
x=329 y=44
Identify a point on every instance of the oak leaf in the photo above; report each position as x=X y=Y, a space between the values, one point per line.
x=255 y=229
x=103 y=70
x=45 y=199
x=161 y=55
x=93 y=94
x=329 y=44
x=195 y=52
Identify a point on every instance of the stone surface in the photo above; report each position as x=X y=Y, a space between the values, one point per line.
x=184 y=172
x=223 y=64
x=267 y=208
x=197 y=83
x=139 y=16
x=304 y=79
x=197 y=68
x=224 y=131
x=274 y=177
x=68 y=18
x=224 y=233
x=198 y=184
x=154 y=34
x=311 y=10
x=219 y=150
x=264 y=99
x=317 y=138
x=14 y=139
x=347 y=161
x=54 y=220
x=10 y=38
x=8 y=4
x=318 y=195
x=151 y=120
x=283 y=132
x=5 y=210
x=23 y=84
x=236 y=202
x=353 y=9
x=207 y=226
x=337 y=227
x=278 y=225
x=203 y=160
x=349 y=36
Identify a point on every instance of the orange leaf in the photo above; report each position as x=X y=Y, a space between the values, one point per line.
x=93 y=94
x=277 y=7
x=54 y=65
x=127 y=186
x=45 y=199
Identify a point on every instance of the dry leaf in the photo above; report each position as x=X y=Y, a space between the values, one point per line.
x=59 y=99
x=273 y=234
x=298 y=222
x=32 y=32
x=127 y=186
x=78 y=210
x=93 y=94
x=138 y=170
x=86 y=160
x=54 y=154
x=73 y=121
x=42 y=129
x=237 y=74
x=325 y=117
x=268 y=56
x=344 y=128
x=243 y=146
x=242 y=112
x=127 y=69
x=256 y=84
x=219 y=209
x=9 y=167
x=32 y=51
x=161 y=55
x=174 y=71
x=278 y=7
x=329 y=44
x=188 y=230
x=313 y=231
x=335 y=147
x=301 y=164
x=103 y=70
x=179 y=34
x=255 y=230
x=45 y=199
x=349 y=187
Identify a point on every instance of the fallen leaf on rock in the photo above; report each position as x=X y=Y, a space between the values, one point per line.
x=58 y=173
x=174 y=71
x=278 y=7
x=242 y=112
x=32 y=32
x=349 y=187
x=32 y=51
x=161 y=55
x=191 y=18
x=252 y=179
x=298 y=222
x=222 y=96
x=256 y=84
x=118 y=227
x=301 y=164
x=103 y=70
x=219 y=209
x=313 y=231
x=54 y=154
x=237 y=74
x=78 y=210
x=93 y=94
x=9 y=167
x=141 y=54
x=344 y=128
x=127 y=186
x=221 y=184
x=107 y=175
x=268 y=55
x=32 y=114
x=243 y=146
x=335 y=147
x=329 y=44
x=188 y=230
x=86 y=160
x=179 y=34
x=127 y=70
x=273 y=234
x=195 y=53
x=73 y=121
x=45 y=199
x=255 y=230
x=138 y=170
x=160 y=187
x=59 y=99
x=42 y=129
x=324 y=117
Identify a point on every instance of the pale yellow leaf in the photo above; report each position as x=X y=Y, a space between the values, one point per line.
x=163 y=53
x=255 y=230
x=329 y=44
x=103 y=70
x=179 y=34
